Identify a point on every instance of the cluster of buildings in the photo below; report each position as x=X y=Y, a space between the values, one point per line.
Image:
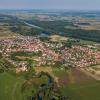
x=29 y=44
x=77 y=56
x=80 y=56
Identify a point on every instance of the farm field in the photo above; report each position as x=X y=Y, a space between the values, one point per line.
x=72 y=83
x=10 y=86
x=86 y=91
x=77 y=85
x=47 y=56
x=58 y=38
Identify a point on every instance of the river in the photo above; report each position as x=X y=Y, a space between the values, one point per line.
x=32 y=25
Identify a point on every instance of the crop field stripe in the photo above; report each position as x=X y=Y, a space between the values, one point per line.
x=14 y=90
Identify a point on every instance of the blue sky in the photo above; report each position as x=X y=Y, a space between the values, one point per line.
x=51 y=4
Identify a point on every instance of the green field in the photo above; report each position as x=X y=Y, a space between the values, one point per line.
x=72 y=83
x=86 y=91
x=20 y=87
x=77 y=85
x=10 y=86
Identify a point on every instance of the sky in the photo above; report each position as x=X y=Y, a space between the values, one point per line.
x=51 y=4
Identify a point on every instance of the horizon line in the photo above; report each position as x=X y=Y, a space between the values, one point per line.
x=49 y=9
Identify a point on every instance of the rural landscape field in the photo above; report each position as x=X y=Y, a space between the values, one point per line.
x=49 y=54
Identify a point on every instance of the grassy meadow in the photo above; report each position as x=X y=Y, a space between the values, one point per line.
x=10 y=86
x=77 y=85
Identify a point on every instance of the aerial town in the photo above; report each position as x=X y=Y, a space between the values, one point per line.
x=50 y=53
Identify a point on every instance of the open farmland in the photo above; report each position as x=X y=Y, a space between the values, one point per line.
x=57 y=38
x=10 y=86
x=77 y=84
x=51 y=56
x=6 y=22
